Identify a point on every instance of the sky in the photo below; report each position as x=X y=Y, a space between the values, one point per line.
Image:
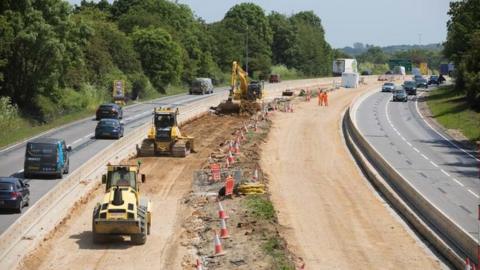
x=377 y=22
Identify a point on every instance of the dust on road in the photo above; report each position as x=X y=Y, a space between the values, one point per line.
x=331 y=215
x=168 y=180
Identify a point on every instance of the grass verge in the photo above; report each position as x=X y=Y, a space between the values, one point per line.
x=260 y=206
x=275 y=247
x=26 y=128
x=452 y=111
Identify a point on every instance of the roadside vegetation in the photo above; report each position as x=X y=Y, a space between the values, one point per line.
x=59 y=61
x=452 y=110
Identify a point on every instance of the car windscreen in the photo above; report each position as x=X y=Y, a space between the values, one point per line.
x=106 y=107
x=389 y=84
x=409 y=83
x=6 y=186
x=41 y=149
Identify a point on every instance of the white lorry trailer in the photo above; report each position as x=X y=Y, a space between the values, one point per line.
x=344 y=65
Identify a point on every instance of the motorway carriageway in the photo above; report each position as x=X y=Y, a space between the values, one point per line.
x=446 y=174
x=84 y=145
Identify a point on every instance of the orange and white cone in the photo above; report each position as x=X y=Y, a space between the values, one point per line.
x=255 y=175
x=199 y=265
x=467 y=264
x=227 y=162
x=237 y=147
x=223 y=229
x=230 y=158
x=218 y=246
x=222 y=214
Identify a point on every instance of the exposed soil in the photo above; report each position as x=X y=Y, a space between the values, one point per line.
x=168 y=181
x=331 y=216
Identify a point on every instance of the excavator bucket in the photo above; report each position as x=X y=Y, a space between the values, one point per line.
x=228 y=107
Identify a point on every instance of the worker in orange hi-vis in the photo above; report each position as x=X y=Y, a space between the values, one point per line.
x=325 y=99
x=320 y=98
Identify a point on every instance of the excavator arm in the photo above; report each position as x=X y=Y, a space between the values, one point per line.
x=238 y=90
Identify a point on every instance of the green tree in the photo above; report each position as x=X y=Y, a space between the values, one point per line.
x=311 y=53
x=161 y=57
x=461 y=47
x=283 y=39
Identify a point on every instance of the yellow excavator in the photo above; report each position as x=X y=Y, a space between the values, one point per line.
x=243 y=94
x=164 y=136
x=122 y=210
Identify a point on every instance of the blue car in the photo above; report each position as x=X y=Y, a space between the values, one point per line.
x=14 y=193
x=109 y=128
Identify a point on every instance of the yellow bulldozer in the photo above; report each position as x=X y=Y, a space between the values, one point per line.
x=122 y=210
x=164 y=136
x=243 y=94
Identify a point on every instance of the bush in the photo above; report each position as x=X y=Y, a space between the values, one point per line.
x=8 y=113
x=141 y=86
x=286 y=73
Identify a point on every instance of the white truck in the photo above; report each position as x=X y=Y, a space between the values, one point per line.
x=344 y=65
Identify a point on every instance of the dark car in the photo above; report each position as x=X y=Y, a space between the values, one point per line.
x=109 y=128
x=109 y=110
x=433 y=80
x=46 y=156
x=421 y=83
x=399 y=94
x=410 y=87
x=388 y=87
x=14 y=193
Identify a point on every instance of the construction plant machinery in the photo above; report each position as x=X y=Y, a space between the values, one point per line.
x=164 y=136
x=122 y=210
x=243 y=94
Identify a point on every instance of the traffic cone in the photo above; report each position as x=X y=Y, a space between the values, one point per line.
x=237 y=147
x=230 y=158
x=222 y=214
x=223 y=229
x=227 y=162
x=467 y=264
x=218 y=246
x=255 y=175
x=199 y=265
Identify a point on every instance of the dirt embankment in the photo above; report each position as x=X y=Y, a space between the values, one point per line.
x=330 y=214
x=168 y=181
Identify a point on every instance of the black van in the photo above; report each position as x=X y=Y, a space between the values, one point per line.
x=46 y=156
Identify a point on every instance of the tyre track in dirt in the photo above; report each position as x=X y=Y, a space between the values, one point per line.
x=332 y=217
x=168 y=181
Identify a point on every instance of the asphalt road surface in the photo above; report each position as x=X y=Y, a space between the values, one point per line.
x=443 y=172
x=81 y=137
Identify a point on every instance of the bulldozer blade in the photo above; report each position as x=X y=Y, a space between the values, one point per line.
x=228 y=107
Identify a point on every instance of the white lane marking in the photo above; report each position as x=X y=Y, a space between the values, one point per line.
x=444 y=172
x=441 y=135
x=424 y=156
x=458 y=182
x=20 y=171
x=76 y=141
x=474 y=194
x=88 y=135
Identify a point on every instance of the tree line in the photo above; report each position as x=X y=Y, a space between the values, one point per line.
x=56 y=58
x=463 y=48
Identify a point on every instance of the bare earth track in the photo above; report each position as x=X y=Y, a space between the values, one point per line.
x=331 y=216
x=168 y=180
